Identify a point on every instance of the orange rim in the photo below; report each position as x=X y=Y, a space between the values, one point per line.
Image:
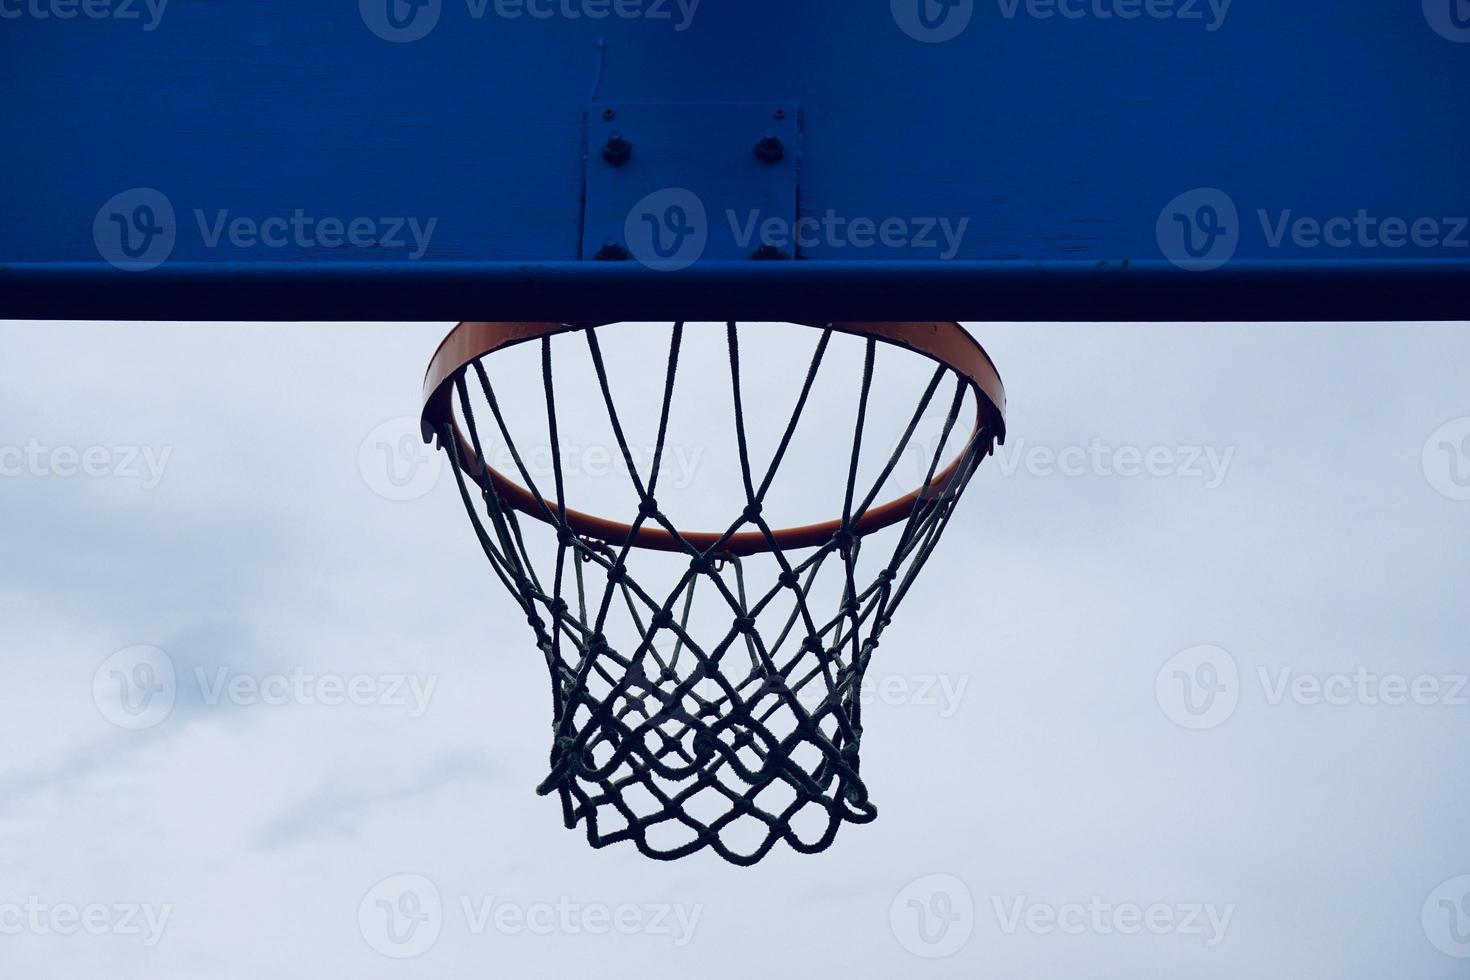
x=947 y=343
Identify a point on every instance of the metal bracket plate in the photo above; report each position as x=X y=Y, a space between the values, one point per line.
x=671 y=185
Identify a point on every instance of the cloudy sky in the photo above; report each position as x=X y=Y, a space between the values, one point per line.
x=1182 y=693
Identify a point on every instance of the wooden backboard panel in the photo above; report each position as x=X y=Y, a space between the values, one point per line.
x=984 y=159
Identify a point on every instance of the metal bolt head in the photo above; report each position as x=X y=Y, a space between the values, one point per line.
x=611 y=251
x=768 y=252
x=617 y=150
x=770 y=149
x=609 y=113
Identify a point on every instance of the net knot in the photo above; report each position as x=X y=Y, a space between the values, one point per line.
x=704 y=745
x=789 y=580
x=752 y=512
x=662 y=620
x=745 y=624
x=565 y=755
x=647 y=508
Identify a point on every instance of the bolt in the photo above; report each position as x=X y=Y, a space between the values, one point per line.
x=611 y=251
x=768 y=252
x=618 y=150
x=770 y=149
x=609 y=113
x=780 y=113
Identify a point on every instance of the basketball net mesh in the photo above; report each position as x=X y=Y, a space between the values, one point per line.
x=679 y=742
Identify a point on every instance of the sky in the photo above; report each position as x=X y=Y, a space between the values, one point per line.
x=1183 y=691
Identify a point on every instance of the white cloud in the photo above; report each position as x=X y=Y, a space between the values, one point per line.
x=1058 y=778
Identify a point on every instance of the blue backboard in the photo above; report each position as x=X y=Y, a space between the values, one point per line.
x=823 y=159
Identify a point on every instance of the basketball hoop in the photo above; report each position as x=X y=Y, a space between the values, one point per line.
x=662 y=732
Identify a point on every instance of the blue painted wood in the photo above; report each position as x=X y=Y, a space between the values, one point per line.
x=1067 y=156
x=698 y=183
